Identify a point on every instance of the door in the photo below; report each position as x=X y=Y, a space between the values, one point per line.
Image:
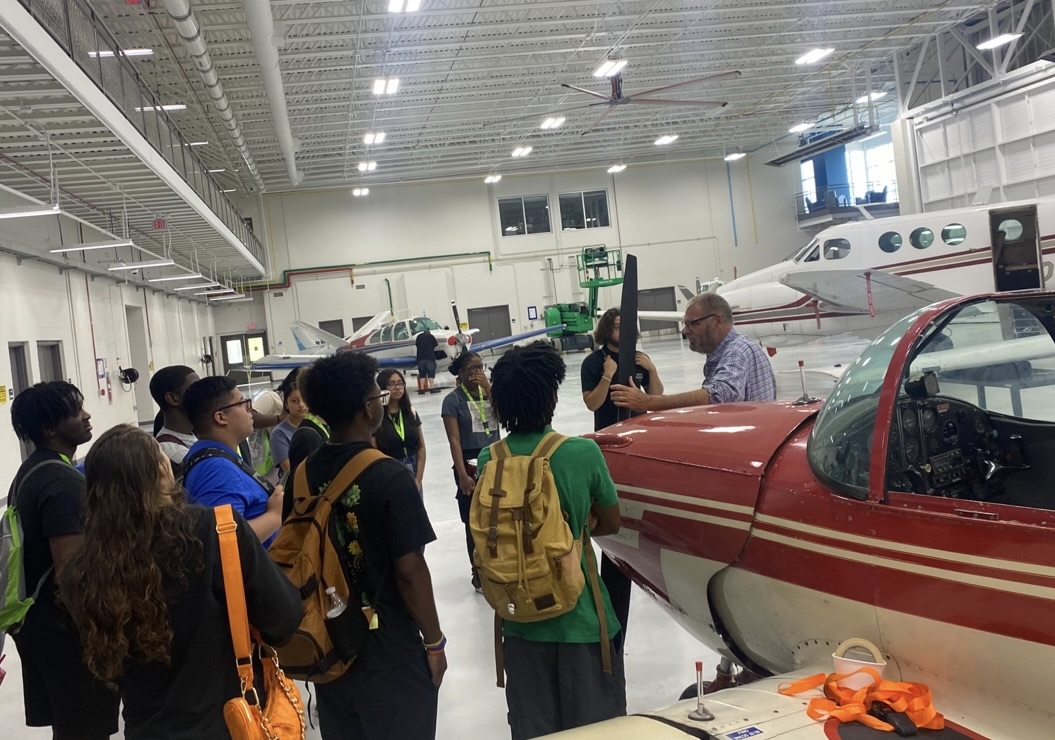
x=240 y=350
x=17 y=355
x=358 y=322
x=49 y=360
x=492 y=321
x=1016 y=249
x=656 y=299
x=139 y=358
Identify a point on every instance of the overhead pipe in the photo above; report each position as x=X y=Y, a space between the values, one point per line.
x=262 y=31
x=190 y=33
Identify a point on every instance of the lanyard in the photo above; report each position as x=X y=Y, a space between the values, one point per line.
x=398 y=426
x=66 y=460
x=481 y=408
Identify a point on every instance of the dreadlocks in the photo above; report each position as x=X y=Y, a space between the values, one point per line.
x=42 y=407
x=524 y=387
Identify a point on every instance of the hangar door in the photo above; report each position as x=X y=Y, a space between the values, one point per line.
x=657 y=299
x=492 y=321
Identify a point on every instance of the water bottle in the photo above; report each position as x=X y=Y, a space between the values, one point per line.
x=337 y=605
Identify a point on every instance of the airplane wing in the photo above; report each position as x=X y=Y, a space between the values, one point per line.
x=848 y=289
x=673 y=316
x=493 y=343
x=313 y=339
x=284 y=362
x=369 y=326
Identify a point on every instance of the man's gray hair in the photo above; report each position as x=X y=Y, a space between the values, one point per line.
x=713 y=303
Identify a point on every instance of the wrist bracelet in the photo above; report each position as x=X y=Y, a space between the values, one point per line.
x=436 y=647
x=605 y=377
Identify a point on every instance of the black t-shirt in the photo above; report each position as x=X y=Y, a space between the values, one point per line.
x=51 y=504
x=592 y=371
x=392 y=523
x=425 y=344
x=388 y=440
x=184 y=700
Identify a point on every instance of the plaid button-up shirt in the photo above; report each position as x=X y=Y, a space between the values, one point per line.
x=739 y=370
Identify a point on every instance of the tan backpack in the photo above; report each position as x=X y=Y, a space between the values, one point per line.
x=530 y=562
x=305 y=549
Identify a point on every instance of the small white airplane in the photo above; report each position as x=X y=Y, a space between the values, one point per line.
x=860 y=277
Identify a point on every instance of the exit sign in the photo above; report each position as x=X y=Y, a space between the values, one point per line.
x=159 y=223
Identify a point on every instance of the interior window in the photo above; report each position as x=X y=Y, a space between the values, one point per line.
x=836 y=249
x=954 y=234
x=401 y=331
x=921 y=238
x=890 y=242
x=814 y=254
x=1012 y=229
x=386 y=334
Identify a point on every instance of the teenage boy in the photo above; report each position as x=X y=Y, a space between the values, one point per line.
x=167 y=387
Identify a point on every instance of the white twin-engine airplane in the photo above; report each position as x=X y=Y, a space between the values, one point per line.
x=859 y=278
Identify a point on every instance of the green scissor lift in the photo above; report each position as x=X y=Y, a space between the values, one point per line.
x=599 y=267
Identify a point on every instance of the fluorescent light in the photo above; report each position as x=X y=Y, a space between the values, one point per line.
x=610 y=68
x=141 y=265
x=873 y=96
x=112 y=244
x=1004 y=38
x=521 y=151
x=734 y=156
x=170 y=106
x=491 y=179
x=403 y=6
x=798 y=128
x=104 y=54
x=218 y=291
x=168 y=278
x=367 y=166
x=197 y=143
x=666 y=139
x=197 y=287
x=813 y=56
x=235 y=296
x=551 y=123
x=386 y=86
x=374 y=138
x=46 y=209
x=218 y=169
x=228 y=190
x=616 y=168
x=359 y=192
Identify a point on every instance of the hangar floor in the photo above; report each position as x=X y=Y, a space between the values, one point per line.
x=659 y=658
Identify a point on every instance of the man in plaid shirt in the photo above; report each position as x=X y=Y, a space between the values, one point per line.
x=737 y=368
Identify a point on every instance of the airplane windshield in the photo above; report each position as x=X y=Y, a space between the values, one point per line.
x=421 y=323
x=798 y=254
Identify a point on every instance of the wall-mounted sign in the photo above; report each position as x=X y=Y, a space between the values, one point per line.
x=532 y=313
x=3 y=394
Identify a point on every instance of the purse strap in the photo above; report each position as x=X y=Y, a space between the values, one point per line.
x=234 y=591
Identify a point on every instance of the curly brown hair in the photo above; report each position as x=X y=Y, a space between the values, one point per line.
x=138 y=534
x=603 y=333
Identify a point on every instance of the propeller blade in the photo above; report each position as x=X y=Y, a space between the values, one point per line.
x=457 y=321
x=627 y=318
x=665 y=101
x=584 y=90
x=598 y=120
x=694 y=81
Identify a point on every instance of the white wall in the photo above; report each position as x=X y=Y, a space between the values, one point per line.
x=88 y=317
x=429 y=244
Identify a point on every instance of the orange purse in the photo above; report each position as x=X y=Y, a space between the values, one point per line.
x=282 y=717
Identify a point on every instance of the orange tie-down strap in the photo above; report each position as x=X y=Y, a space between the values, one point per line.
x=850 y=705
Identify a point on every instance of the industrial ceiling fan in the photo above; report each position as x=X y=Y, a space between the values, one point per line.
x=617 y=98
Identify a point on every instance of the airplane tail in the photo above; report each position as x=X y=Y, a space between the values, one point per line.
x=311 y=338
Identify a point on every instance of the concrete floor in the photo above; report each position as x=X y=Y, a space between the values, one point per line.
x=659 y=656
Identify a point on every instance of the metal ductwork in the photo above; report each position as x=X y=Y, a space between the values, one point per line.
x=262 y=31
x=822 y=145
x=190 y=32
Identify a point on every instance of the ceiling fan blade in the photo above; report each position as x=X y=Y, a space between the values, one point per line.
x=584 y=90
x=598 y=120
x=545 y=114
x=665 y=101
x=694 y=81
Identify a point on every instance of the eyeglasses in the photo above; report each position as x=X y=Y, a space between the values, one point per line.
x=691 y=323
x=394 y=384
x=383 y=397
x=247 y=402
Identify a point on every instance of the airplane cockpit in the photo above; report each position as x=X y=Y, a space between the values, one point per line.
x=974 y=416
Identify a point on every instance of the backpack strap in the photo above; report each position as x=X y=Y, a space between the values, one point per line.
x=349 y=473
x=173 y=439
x=234 y=591
x=204 y=453
x=13 y=496
x=598 y=600
x=548 y=445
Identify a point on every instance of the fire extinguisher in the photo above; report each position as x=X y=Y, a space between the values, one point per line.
x=109 y=389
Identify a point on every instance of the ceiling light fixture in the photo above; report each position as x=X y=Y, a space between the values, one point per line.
x=552 y=123
x=112 y=244
x=616 y=168
x=140 y=265
x=228 y=190
x=105 y=53
x=218 y=169
x=666 y=139
x=403 y=6
x=813 y=56
x=197 y=287
x=232 y=297
x=610 y=68
x=798 y=128
x=1004 y=38
x=197 y=143
x=734 y=156
x=872 y=96
x=45 y=209
x=367 y=166
x=169 y=278
x=386 y=86
x=374 y=138
x=521 y=151
x=218 y=291
x=360 y=192
x=492 y=179
x=155 y=108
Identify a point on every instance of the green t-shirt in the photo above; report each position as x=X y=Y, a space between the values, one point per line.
x=582 y=478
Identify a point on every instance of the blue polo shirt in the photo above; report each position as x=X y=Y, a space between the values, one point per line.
x=216 y=481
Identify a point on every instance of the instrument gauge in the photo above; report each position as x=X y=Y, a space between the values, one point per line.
x=929 y=420
x=908 y=421
x=913 y=452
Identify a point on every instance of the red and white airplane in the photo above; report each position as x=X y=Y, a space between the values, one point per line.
x=860 y=277
x=914 y=509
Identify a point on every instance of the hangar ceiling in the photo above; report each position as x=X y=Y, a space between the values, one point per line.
x=476 y=80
